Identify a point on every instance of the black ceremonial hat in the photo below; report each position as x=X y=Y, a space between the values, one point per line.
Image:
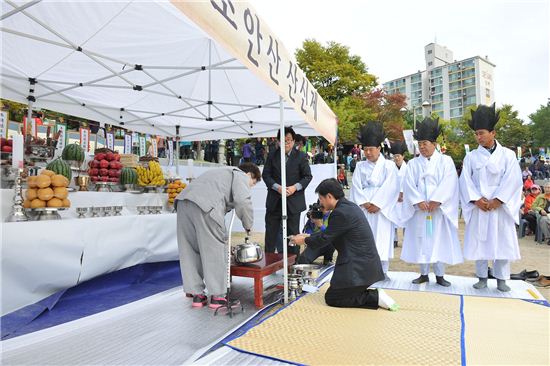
x=428 y=129
x=372 y=134
x=398 y=147
x=484 y=118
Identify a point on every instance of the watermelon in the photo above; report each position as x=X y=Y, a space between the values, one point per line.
x=60 y=167
x=73 y=152
x=128 y=176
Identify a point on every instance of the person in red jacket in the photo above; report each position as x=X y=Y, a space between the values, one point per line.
x=529 y=214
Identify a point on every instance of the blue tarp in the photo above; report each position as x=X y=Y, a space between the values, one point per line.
x=96 y=295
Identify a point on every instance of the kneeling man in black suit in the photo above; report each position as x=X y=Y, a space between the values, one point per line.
x=358 y=264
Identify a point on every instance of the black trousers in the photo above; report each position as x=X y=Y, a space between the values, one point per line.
x=309 y=255
x=352 y=297
x=273 y=231
x=532 y=221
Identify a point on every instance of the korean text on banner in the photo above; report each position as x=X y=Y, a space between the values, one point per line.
x=4 y=124
x=85 y=139
x=237 y=26
x=110 y=137
x=128 y=143
x=154 y=146
x=170 y=152
x=142 y=145
x=61 y=129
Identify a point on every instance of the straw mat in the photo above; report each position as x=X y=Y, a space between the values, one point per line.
x=506 y=332
x=426 y=330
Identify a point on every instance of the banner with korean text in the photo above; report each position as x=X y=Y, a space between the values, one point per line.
x=236 y=26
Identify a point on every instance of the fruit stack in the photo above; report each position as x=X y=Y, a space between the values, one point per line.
x=151 y=175
x=174 y=189
x=6 y=145
x=47 y=190
x=105 y=167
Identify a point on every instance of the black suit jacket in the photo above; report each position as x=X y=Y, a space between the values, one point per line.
x=348 y=230
x=297 y=171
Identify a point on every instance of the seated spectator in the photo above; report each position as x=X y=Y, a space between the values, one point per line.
x=528 y=183
x=541 y=207
x=528 y=213
x=526 y=173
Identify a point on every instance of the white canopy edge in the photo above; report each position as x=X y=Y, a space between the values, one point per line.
x=86 y=59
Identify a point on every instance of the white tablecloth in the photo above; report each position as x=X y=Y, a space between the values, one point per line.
x=40 y=258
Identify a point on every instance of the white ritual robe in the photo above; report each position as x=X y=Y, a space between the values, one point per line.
x=398 y=208
x=431 y=180
x=377 y=183
x=491 y=235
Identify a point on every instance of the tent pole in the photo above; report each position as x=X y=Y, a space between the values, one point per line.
x=335 y=153
x=209 y=78
x=283 y=199
x=178 y=151
x=30 y=98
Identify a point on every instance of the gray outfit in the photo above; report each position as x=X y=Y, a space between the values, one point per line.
x=201 y=228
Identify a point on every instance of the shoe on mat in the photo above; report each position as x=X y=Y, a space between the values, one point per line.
x=199 y=301
x=543 y=281
x=442 y=281
x=216 y=302
x=421 y=279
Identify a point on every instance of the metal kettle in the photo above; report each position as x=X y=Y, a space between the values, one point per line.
x=248 y=252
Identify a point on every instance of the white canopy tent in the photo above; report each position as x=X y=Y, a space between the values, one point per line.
x=147 y=67
x=151 y=67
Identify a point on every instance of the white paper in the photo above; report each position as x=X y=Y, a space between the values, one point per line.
x=155 y=147
x=170 y=152
x=17 y=152
x=142 y=151
x=309 y=288
x=127 y=143
x=110 y=140
x=4 y=124
x=190 y=168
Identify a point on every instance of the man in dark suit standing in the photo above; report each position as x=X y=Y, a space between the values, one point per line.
x=298 y=176
x=358 y=264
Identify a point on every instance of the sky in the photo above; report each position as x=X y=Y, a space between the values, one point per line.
x=390 y=35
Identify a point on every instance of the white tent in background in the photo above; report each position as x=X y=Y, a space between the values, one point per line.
x=147 y=67
x=151 y=68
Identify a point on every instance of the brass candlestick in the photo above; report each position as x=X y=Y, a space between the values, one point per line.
x=18 y=213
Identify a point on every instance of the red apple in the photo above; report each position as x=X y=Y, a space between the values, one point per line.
x=99 y=156
x=109 y=156
x=117 y=156
x=104 y=179
x=104 y=164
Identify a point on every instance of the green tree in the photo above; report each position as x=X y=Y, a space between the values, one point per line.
x=511 y=131
x=333 y=71
x=541 y=126
x=343 y=81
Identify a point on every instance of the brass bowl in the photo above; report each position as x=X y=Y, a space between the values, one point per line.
x=82 y=181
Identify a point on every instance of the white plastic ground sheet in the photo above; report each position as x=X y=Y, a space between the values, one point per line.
x=162 y=329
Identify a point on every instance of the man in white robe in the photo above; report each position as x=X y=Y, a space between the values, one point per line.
x=430 y=207
x=375 y=189
x=490 y=193
x=397 y=149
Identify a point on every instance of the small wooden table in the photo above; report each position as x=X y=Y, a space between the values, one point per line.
x=272 y=262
